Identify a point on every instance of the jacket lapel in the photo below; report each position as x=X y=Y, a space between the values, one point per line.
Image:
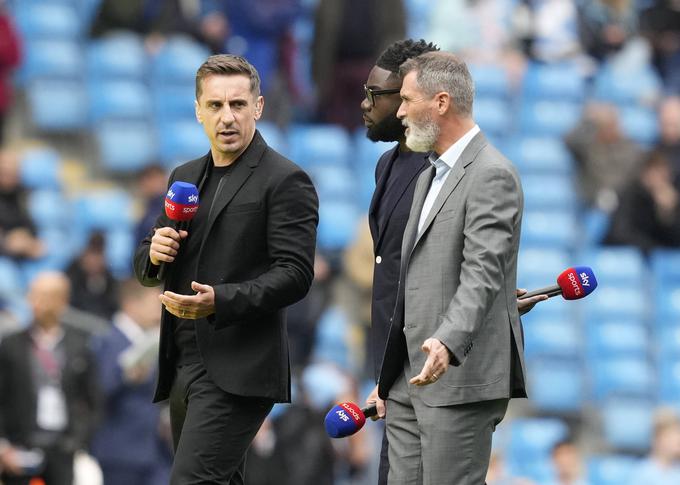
x=415 y=165
x=377 y=194
x=422 y=187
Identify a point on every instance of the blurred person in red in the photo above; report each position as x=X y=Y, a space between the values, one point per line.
x=662 y=465
x=17 y=232
x=10 y=56
x=648 y=215
x=48 y=388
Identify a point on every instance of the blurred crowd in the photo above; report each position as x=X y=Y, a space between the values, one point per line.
x=70 y=310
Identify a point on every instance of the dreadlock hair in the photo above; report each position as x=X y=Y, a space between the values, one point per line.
x=402 y=50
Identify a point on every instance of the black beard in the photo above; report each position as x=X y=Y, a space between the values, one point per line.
x=389 y=129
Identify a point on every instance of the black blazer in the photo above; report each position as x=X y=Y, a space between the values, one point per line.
x=387 y=241
x=258 y=254
x=18 y=404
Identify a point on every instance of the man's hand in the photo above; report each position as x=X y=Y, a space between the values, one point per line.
x=8 y=461
x=437 y=363
x=372 y=399
x=190 y=307
x=165 y=244
x=525 y=306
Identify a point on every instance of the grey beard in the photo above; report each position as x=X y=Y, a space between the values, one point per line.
x=421 y=138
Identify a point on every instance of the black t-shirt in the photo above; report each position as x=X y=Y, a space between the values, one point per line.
x=184 y=329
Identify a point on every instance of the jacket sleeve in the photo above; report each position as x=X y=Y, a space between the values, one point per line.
x=493 y=212
x=291 y=240
x=145 y=271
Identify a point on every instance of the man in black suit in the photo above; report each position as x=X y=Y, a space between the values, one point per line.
x=48 y=388
x=247 y=254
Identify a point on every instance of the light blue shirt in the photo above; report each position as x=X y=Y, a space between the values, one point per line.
x=649 y=471
x=443 y=166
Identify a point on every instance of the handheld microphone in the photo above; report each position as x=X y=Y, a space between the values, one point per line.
x=181 y=205
x=347 y=418
x=573 y=284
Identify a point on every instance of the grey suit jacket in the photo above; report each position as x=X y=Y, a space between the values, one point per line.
x=458 y=280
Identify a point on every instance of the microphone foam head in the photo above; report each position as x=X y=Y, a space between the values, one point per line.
x=577 y=282
x=181 y=201
x=344 y=419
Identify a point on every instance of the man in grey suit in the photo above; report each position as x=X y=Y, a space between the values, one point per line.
x=454 y=354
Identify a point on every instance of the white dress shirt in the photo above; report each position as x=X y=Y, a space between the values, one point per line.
x=443 y=166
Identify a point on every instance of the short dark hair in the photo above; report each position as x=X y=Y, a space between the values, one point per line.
x=443 y=71
x=401 y=51
x=227 y=65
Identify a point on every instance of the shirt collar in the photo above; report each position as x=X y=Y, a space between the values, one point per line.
x=453 y=153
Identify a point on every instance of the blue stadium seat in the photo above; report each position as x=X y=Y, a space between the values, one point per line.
x=556 y=386
x=549 y=192
x=126 y=146
x=49 y=208
x=665 y=265
x=62 y=244
x=120 y=100
x=640 y=124
x=554 y=81
x=552 y=337
x=493 y=115
x=540 y=266
x=174 y=102
x=58 y=106
x=539 y=155
x=610 y=469
x=104 y=209
x=273 y=136
x=177 y=62
x=181 y=140
x=667 y=299
x=618 y=338
x=334 y=183
x=338 y=222
x=48 y=21
x=365 y=155
x=332 y=338
x=54 y=59
x=595 y=225
x=319 y=145
x=120 y=246
x=531 y=441
x=668 y=341
x=490 y=80
x=548 y=118
x=610 y=301
x=617 y=266
x=12 y=283
x=41 y=168
x=669 y=379
x=623 y=377
x=118 y=56
x=627 y=424
x=626 y=86
x=558 y=229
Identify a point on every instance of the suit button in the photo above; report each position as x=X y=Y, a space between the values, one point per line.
x=378 y=260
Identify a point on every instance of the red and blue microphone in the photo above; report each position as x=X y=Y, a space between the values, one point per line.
x=181 y=205
x=572 y=284
x=347 y=418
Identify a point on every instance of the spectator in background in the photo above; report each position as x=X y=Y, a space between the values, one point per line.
x=567 y=464
x=48 y=388
x=152 y=184
x=17 y=233
x=669 y=125
x=660 y=24
x=128 y=444
x=607 y=160
x=348 y=36
x=606 y=25
x=662 y=466
x=648 y=215
x=154 y=19
x=93 y=287
x=10 y=57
